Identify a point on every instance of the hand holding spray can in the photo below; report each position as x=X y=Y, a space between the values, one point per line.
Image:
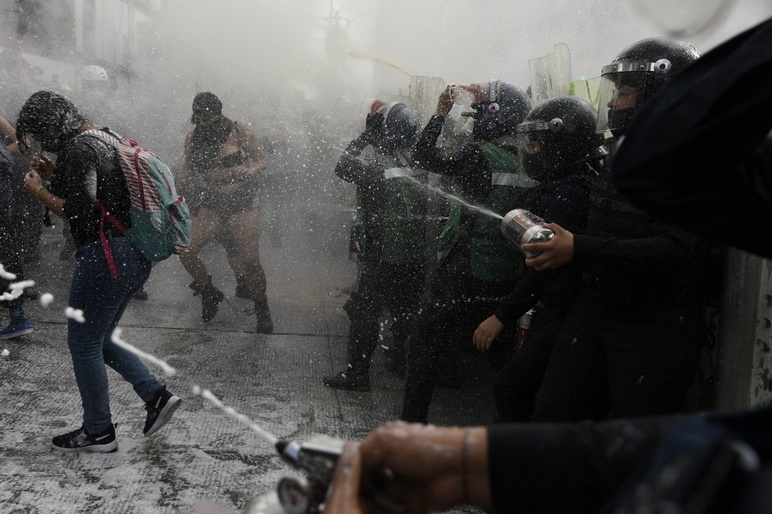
x=521 y=227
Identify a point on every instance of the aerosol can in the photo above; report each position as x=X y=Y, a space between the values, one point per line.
x=521 y=227
x=317 y=458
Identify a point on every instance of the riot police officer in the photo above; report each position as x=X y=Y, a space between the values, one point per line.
x=389 y=235
x=629 y=344
x=476 y=265
x=558 y=147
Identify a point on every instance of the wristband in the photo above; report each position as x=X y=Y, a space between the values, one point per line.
x=464 y=465
x=39 y=191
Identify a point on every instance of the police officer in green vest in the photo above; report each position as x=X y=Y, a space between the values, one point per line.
x=388 y=236
x=476 y=266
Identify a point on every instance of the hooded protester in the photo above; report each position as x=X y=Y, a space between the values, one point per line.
x=86 y=176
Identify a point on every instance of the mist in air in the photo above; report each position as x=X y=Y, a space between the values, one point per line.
x=303 y=73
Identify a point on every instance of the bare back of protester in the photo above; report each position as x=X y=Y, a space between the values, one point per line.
x=222 y=161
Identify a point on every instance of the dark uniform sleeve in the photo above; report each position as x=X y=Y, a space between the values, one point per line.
x=667 y=250
x=353 y=169
x=549 y=468
x=568 y=207
x=698 y=154
x=465 y=162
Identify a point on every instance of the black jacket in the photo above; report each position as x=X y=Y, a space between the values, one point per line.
x=699 y=153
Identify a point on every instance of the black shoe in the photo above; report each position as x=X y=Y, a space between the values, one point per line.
x=348 y=382
x=159 y=411
x=81 y=441
x=264 y=324
x=141 y=294
x=210 y=299
x=242 y=288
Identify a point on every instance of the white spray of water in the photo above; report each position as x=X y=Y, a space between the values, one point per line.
x=6 y=275
x=116 y=339
x=197 y=390
x=482 y=210
x=76 y=314
x=16 y=288
x=230 y=411
x=46 y=299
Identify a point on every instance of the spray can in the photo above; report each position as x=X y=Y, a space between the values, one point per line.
x=523 y=324
x=521 y=227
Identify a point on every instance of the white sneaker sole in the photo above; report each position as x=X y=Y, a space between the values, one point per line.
x=18 y=334
x=94 y=448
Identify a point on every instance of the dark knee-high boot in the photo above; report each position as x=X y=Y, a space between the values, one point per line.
x=363 y=338
x=264 y=323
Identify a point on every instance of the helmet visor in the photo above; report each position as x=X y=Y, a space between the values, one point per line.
x=530 y=148
x=624 y=86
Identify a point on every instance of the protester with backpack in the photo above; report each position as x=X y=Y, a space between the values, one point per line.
x=87 y=181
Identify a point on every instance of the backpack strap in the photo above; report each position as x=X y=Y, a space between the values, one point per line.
x=106 y=215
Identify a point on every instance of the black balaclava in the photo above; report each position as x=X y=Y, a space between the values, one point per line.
x=44 y=114
x=208 y=138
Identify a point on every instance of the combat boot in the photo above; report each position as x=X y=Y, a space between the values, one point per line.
x=210 y=298
x=264 y=324
x=348 y=381
x=242 y=287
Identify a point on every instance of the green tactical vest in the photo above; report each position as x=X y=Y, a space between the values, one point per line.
x=404 y=214
x=493 y=258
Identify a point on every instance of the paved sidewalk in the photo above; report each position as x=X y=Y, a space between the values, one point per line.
x=202 y=454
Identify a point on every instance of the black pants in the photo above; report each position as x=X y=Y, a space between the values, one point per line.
x=518 y=381
x=397 y=287
x=622 y=360
x=458 y=303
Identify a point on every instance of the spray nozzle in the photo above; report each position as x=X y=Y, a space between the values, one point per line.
x=318 y=457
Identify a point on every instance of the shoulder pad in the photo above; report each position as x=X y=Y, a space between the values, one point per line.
x=450 y=153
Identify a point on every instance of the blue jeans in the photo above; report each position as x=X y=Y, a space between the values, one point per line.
x=103 y=301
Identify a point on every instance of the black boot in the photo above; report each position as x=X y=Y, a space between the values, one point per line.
x=362 y=340
x=242 y=287
x=348 y=381
x=264 y=324
x=396 y=362
x=210 y=298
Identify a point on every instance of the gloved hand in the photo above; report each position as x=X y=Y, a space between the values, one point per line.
x=373 y=127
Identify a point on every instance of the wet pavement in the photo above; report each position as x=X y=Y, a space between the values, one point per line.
x=202 y=455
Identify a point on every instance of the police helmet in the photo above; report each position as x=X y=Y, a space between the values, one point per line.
x=636 y=75
x=399 y=127
x=500 y=111
x=556 y=137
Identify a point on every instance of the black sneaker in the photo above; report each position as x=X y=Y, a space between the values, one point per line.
x=348 y=382
x=159 y=411
x=81 y=441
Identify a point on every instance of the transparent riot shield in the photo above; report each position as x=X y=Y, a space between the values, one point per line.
x=550 y=75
